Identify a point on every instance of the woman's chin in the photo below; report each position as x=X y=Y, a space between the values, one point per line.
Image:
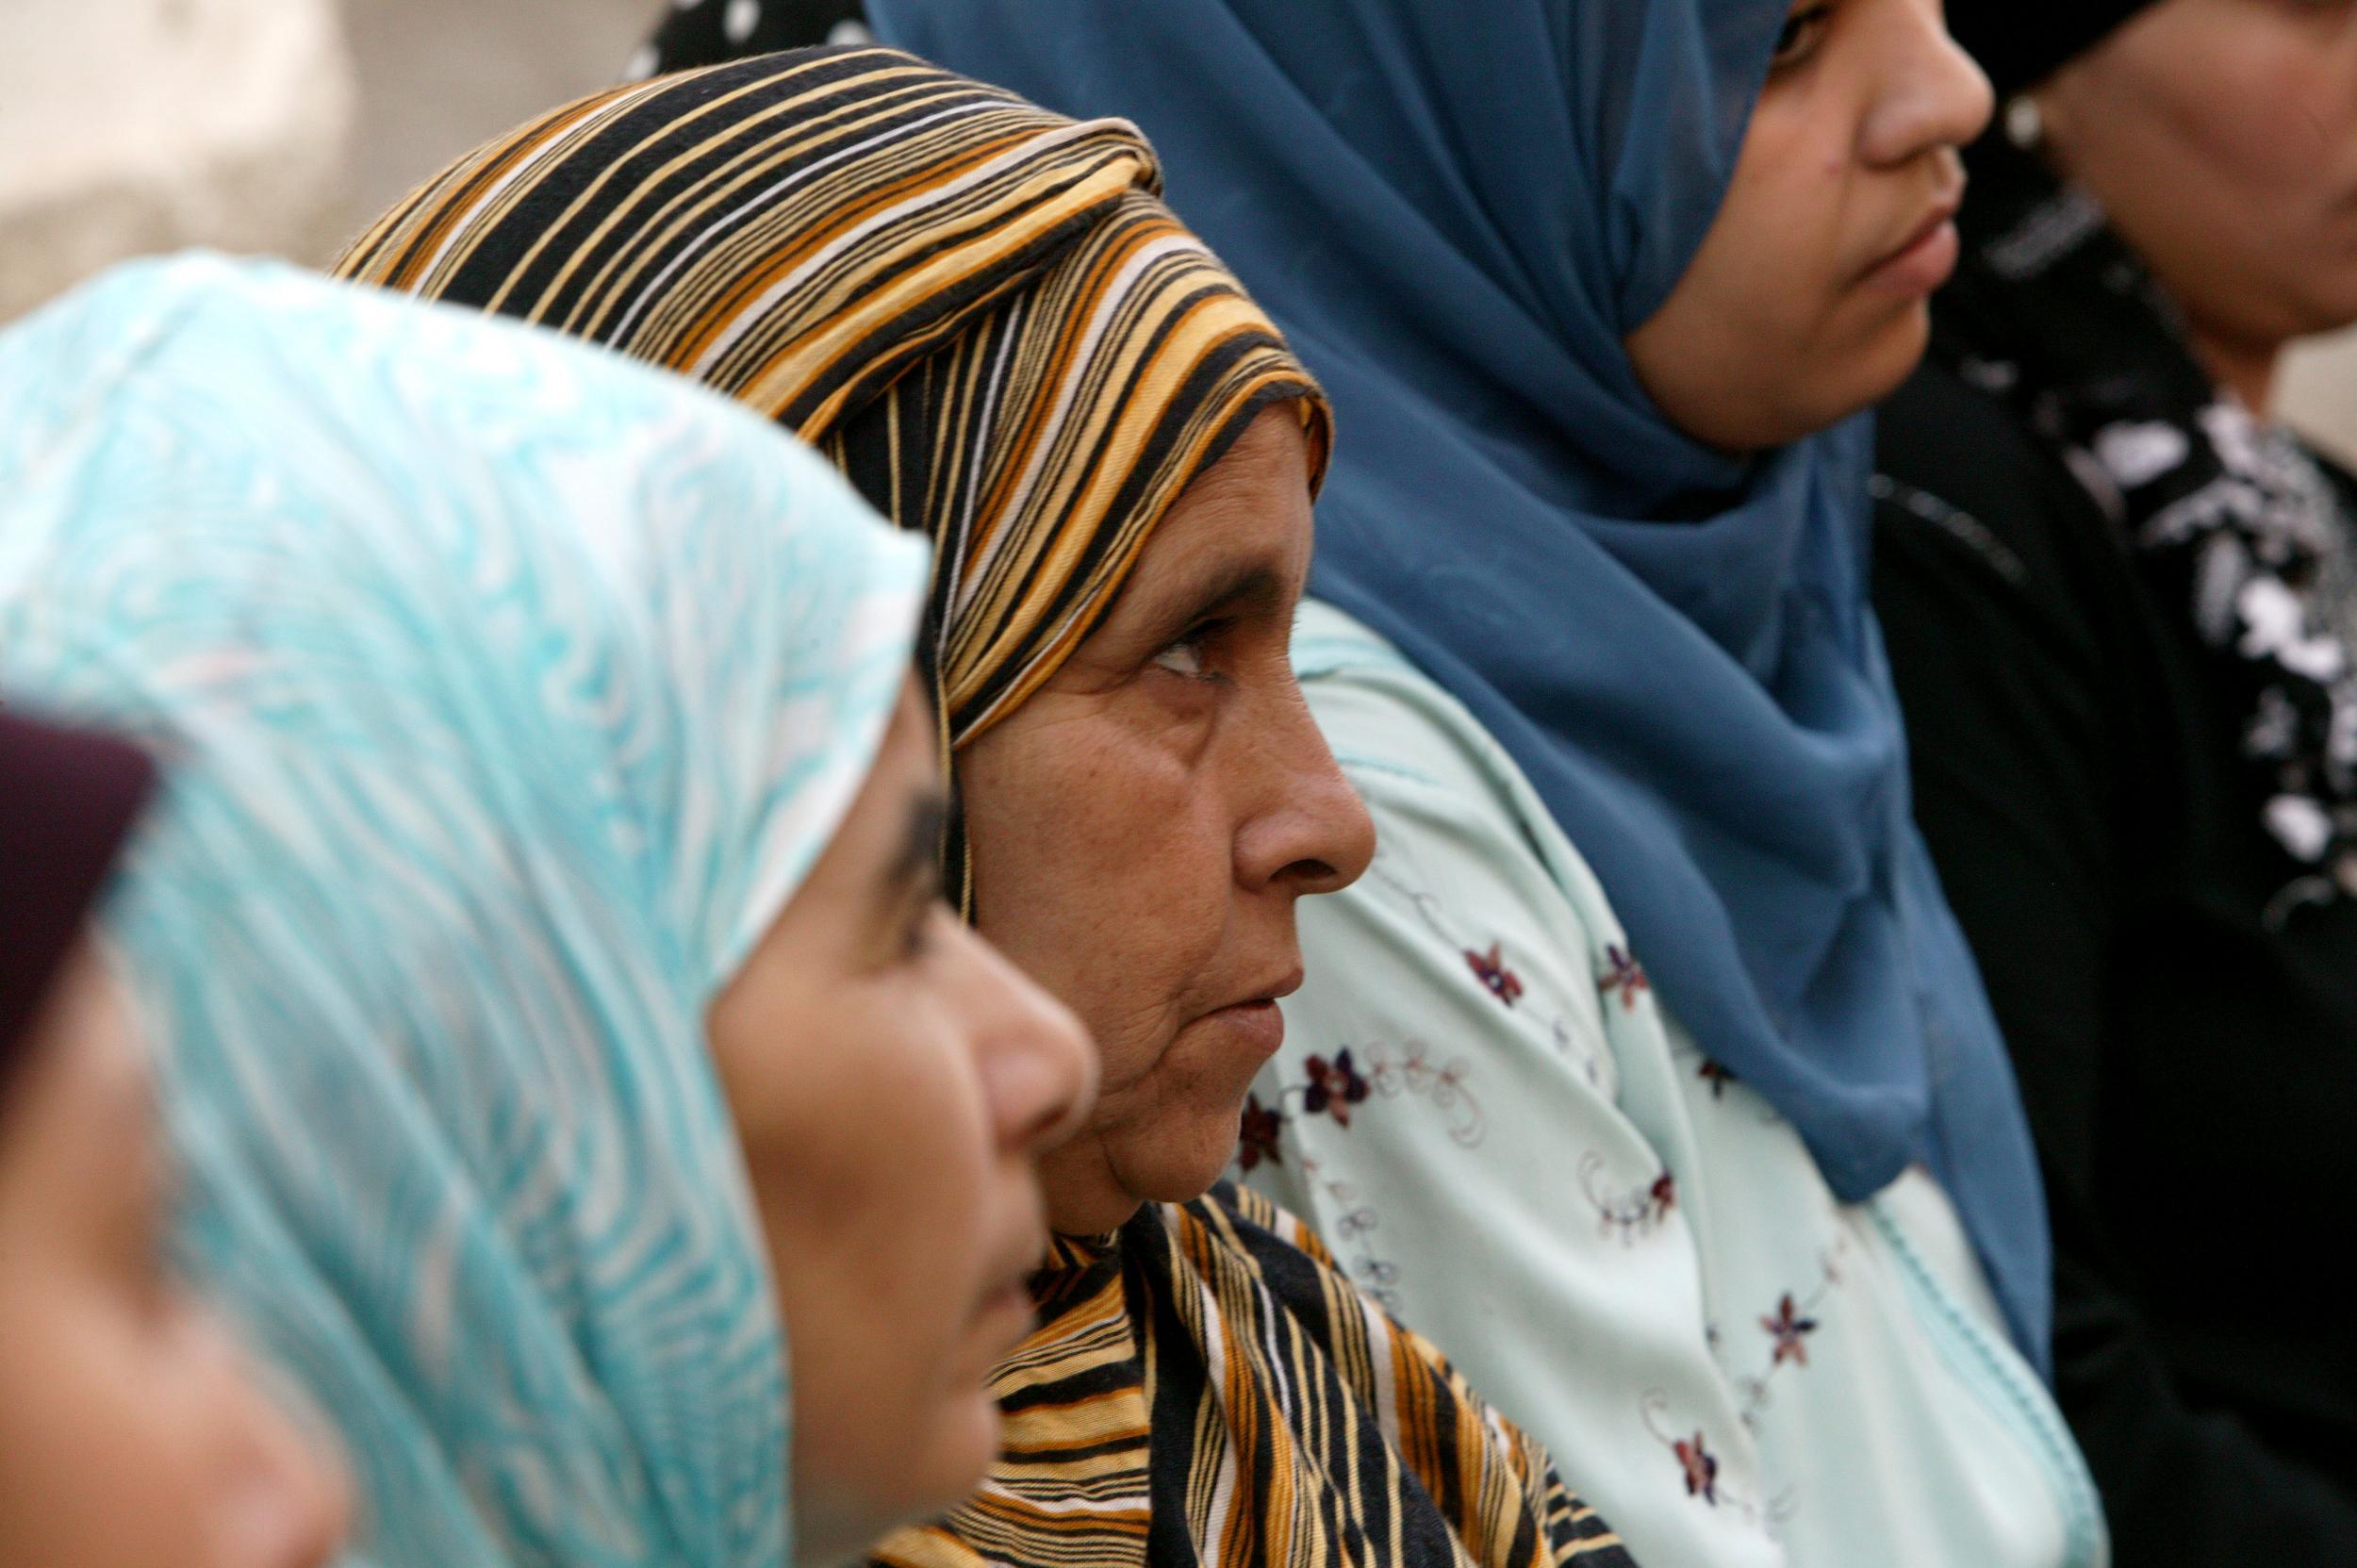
x=1097 y=1182
x=1162 y=1175
x=970 y=1431
x=939 y=1469
x=1176 y=1173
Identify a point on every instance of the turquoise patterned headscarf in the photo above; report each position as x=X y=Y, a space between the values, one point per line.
x=507 y=691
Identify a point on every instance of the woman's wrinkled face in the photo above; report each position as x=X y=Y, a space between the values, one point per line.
x=892 y=1080
x=1808 y=298
x=2222 y=137
x=1141 y=828
x=133 y=1433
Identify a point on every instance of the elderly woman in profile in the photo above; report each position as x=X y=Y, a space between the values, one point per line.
x=1647 y=1070
x=983 y=314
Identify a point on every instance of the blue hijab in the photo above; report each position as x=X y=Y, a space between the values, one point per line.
x=508 y=691
x=1457 y=211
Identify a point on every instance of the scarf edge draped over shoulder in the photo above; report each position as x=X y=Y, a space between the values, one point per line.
x=1206 y=1387
x=982 y=312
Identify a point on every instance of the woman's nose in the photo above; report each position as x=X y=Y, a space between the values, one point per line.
x=1038 y=1064
x=287 y=1494
x=1934 y=96
x=1314 y=834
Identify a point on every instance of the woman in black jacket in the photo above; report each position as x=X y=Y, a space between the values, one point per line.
x=2122 y=602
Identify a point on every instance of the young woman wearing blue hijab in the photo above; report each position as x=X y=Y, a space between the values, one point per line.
x=1706 y=1162
x=541 y=924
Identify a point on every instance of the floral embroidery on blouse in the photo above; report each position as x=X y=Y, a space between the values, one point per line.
x=1631 y=1214
x=1257 y=1138
x=1689 y=1450
x=1790 y=1331
x=1789 y=1327
x=1701 y=1468
x=1623 y=975
x=1717 y=1076
x=1334 y=1087
x=1501 y=981
x=1489 y=968
x=1350 y=1236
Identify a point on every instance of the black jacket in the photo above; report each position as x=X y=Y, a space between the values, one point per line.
x=2190 y=1073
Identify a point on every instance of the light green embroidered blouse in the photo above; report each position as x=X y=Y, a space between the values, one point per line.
x=1481 y=1106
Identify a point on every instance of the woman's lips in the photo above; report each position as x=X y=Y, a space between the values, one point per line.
x=1260 y=1024
x=1923 y=263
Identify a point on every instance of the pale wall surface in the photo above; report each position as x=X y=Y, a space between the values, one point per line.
x=136 y=126
x=438 y=76
x=280 y=127
x=2320 y=393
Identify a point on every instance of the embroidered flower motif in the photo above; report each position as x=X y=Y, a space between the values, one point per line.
x=1630 y=1214
x=1334 y=1087
x=1701 y=1468
x=1502 y=983
x=1257 y=1140
x=1790 y=1331
x=1718 y=1076
x=1624 y=975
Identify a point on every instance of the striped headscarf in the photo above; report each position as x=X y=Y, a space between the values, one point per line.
x=980 y=311
x=508 y=691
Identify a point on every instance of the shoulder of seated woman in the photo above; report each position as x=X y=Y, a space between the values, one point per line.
x=1244 y=1222
x=1958 y=469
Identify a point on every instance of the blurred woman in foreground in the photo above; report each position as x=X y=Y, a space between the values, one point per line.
x=542 y=926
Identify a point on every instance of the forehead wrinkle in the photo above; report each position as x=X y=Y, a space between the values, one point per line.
x=1252 y=585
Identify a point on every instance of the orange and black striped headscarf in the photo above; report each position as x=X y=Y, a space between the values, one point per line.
x=980 y=311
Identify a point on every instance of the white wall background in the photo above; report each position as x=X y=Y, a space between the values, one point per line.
x=278 y=126
x=2320 y=393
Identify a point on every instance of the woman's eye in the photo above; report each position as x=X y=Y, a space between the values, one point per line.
x=1188 y=656
x=1802 y=30
x=1183 y=657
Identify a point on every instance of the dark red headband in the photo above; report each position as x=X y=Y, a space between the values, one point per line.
x=67 y=800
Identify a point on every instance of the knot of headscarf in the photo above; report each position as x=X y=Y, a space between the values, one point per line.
x=1458 y=213
x=980 y=311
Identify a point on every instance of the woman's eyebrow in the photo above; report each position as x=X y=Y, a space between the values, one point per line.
x=1244 y=587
